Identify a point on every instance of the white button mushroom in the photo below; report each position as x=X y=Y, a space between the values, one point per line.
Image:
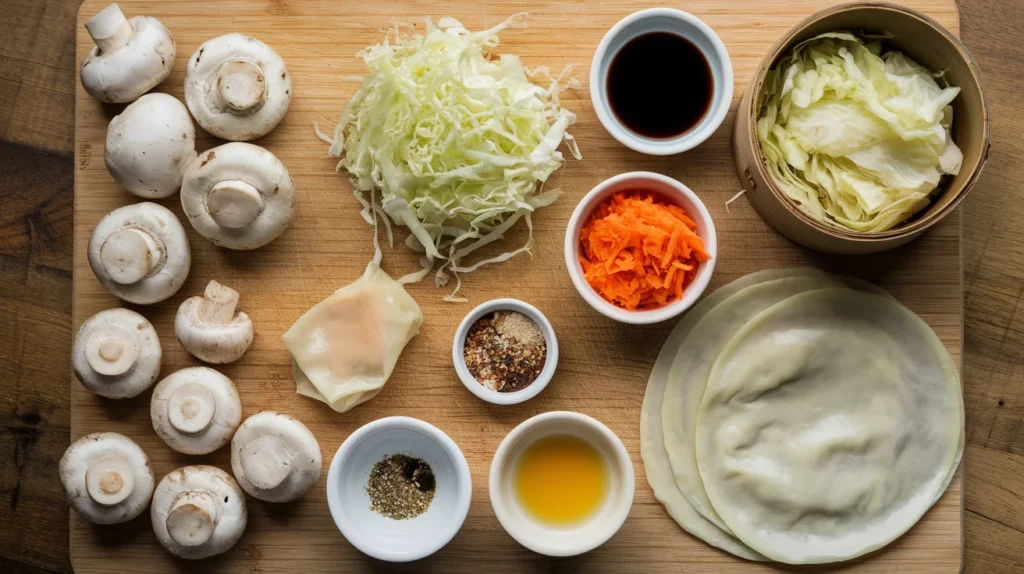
x=116 y=354
x=198 y=512
x=150 y=145
x=140 y=253
x=209 y=328
x=195 y=410
x=238 y=196
x=130 y=57
x=275 y=457
x=237 y=87
x=106 y=478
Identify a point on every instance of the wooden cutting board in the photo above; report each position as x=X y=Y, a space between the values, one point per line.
x=603 y=366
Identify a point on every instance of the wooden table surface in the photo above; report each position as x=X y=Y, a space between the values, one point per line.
x=37 y=75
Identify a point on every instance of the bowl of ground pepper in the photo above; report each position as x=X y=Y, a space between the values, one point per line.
x=505 y=351
x=399 y=489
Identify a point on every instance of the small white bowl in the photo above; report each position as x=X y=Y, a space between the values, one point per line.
x=477 y=388
x=674 y=192
x=693 y=29
x=577 y=538
x=385 y=538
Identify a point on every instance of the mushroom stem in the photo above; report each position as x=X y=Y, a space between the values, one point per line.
x=266 y=462
x=110 y=29
x=110 y=351
x=129 y=254
x=241 y=85
x=109 y=480
x=191 y=408
x=192 y=518
x=234 y=204
x=218 y=304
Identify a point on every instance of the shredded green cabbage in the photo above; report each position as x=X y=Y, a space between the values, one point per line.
x=856 y=138
x=452 y=142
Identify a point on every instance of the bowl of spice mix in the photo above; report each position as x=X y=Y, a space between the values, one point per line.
x=399 y=489
x=505 y=351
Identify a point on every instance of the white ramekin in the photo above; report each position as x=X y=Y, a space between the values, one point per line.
x=694 y=30
x=562 y=540
x=674 y=192
x=478 y=389
x=385 y=538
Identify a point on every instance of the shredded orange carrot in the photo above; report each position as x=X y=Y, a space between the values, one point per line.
x=639 y=252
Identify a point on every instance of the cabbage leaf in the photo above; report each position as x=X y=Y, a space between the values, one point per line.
x=856 y=138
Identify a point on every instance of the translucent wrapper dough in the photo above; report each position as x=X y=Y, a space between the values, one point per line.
x=756 y=453
x=345 y=347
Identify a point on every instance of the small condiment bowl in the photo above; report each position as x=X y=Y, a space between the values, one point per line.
x=386 y=538
x=512 y=397
x=573 y=539
x=672 y=191
x=697 y=32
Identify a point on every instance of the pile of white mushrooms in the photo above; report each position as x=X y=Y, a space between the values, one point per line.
x=239 y=196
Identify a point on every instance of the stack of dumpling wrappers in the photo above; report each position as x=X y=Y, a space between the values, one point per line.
x=801 y=417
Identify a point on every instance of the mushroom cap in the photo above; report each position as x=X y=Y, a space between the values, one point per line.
x=255 y=73
x=124 y=74
x=195 y=410
x=207 y=340
x=134 y=341
x=275 y=457
x=238 y=196
x=131 y=272
x=217 y=488
x=98 y=452
x=150 y=145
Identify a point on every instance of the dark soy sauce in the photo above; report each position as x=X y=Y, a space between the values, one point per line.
x=660 y=85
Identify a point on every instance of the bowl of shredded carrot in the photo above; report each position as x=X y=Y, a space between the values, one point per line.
x=640 y=248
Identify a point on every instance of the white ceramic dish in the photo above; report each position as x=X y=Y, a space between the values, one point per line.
x=694 y=30
x=385 y=538
x=514 y=397
x=565 y=540
x=676 y=193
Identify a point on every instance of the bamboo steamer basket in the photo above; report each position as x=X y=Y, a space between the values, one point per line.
x=922 y=39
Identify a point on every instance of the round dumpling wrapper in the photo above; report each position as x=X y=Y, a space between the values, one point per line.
x=652 y=439
x=676 y=359
x=831 y=423
x=689 y=373
x=696 y=354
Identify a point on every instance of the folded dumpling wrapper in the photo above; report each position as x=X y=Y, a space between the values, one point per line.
x=345 y=347
x=306 y=388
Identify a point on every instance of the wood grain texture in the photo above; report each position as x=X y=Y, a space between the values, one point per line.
x=35 y=314
x=603 y=366
x=35 y=283
x=994 y=304
x=36 y=91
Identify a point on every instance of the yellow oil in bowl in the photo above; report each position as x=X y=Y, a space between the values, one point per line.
x=560 y=479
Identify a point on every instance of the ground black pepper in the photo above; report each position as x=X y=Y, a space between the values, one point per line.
x=401 y=487
x=505 y=351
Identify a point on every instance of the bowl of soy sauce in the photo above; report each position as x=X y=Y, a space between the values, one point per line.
x=661 y=81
